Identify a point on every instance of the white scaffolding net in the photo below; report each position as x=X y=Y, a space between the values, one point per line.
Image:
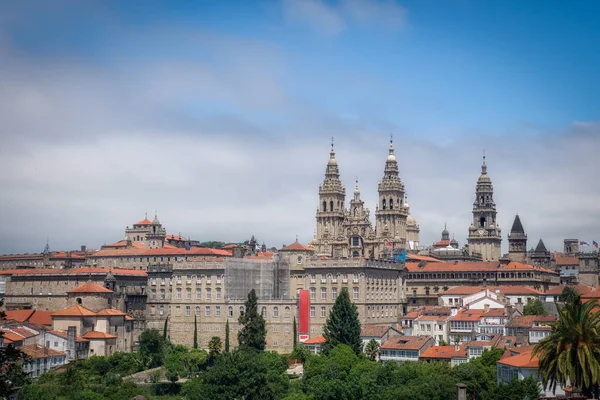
x=269 y=278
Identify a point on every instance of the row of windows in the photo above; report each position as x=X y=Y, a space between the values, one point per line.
x=188 y=293
x=334 y=293
x=475 y=275
x=189 y=279
x=333 y=278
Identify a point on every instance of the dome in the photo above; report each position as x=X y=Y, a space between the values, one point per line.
x=484 y=178
x=454 y=243
x=332 y=161
x=391 y=157
x=410 y=220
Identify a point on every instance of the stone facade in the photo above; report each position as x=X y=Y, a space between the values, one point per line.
x=484 y=233
x=517 y=242
x=346 y=233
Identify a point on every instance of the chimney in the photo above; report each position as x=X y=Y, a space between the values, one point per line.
x=461 y=391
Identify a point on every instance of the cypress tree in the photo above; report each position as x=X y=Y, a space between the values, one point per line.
x=253 y=331
x=195 y=332
x=165 y=328
x=227 y=337
x=295 y=340
x=343 y=326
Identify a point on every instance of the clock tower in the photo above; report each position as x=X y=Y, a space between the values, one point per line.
x=484 y=238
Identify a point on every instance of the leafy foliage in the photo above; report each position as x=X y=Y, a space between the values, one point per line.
x=534 y=307
x=153 y=347
x=372 y=349
x=227 y=337
x=214 y=347
x=343 y=326
x=571 y=352
x=252 y=334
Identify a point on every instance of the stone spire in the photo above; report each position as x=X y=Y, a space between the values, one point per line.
x=517 y=242
x=356 y=191
x=332 y=181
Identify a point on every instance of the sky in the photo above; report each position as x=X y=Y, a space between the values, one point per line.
x=219 y=115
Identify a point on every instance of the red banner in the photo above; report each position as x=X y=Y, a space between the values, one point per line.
x=303 y=311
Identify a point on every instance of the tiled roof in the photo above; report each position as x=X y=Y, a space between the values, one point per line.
x=317 y=340
x=65 y=335
x=375 y=330
x=74 y=311
x=444 y=352
x=98 y=335
x=406 y=342
x=557 y=290
x=90 y=287
x=37 y=351
x=421 y=258
x=86 y=271
x=433 y=318
x=468 y=315
x=529 y=320
x=19 y=315
x=230 y=246
x=565 y=260
x=453 y=267
x=41 y=318
x=541 y=247
x=10 y=337
x=110 y=312
x=523 y=360
x=591 y=294
x=129 y=318
x=508 y=290
x=296 y=247
x=411 y=315
x=145 y=221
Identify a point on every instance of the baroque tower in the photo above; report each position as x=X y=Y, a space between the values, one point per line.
x=517 y=242
x=391 y=213
x=330 y=214
x=484 y=234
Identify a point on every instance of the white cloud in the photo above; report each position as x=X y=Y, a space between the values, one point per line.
x=335 y=18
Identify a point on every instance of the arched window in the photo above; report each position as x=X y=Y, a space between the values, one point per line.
x=286 y=312
x=355 y=254
x=331 y=205
x=482 y=199
x=242 y=310
x=230 y=311
x=383 y=204
x=275 y=312
x=79 y=301
x=324 y=205
x=391 y=204
x=263 y=312
x=482 y=222
x=198 y=311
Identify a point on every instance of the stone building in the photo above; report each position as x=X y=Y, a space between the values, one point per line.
x=517 y=242
x=484 y=233
x=346 y=233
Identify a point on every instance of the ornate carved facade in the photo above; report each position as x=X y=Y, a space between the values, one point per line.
x=348 y=232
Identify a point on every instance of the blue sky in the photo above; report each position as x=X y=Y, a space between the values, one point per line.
x=274 y=80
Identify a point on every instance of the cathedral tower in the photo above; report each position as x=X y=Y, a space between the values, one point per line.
x=517 y=242
x=484 y=234
x=330 y=214
x=391 y=213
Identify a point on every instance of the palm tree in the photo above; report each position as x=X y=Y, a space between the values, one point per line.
x=570 y=355
x=372 y=349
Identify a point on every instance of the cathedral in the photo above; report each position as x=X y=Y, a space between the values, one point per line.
x=348 y=232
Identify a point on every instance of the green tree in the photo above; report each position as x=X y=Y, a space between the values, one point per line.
x=569 y=295
x=153 y=347
x=214 y=347
x=194 y=361
x=372 y=349
x=342 y=325
x=175 y=365
x=534 y=307
x=227 y=336
x=571 y=352
x=295 y=333
x=253 y=332
x=165 y=327
x=195 y=332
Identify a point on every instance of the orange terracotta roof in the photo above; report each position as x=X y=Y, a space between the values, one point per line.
x=565 y=260
x=193 y=251
x=13 y=337
x=19 y=315
x=317 y=340
x=110 y=312
x=406 y=342
x=65 y=335
x=74 y=311
x=411 y=315
x=507 y=290
x=145 y=221
x=129 y=318
x=296 y=247
x=433 y=318
x=98 y=335
x=557 y=290
x=453 y=267
x=442 y=243
x=41 y=318
x=512 y=266
x=176 y=238
x=523 y=360
x=169 y=246
x=421 y=258
x=37 y=351
x=230 y=246
x=444 y=352
x=468 y=315
x=75 y=271
x=90 y=287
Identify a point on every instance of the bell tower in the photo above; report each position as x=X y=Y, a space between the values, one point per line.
x=391 y=212
x=484 y=238
x=517 y=242
x=330 y=214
